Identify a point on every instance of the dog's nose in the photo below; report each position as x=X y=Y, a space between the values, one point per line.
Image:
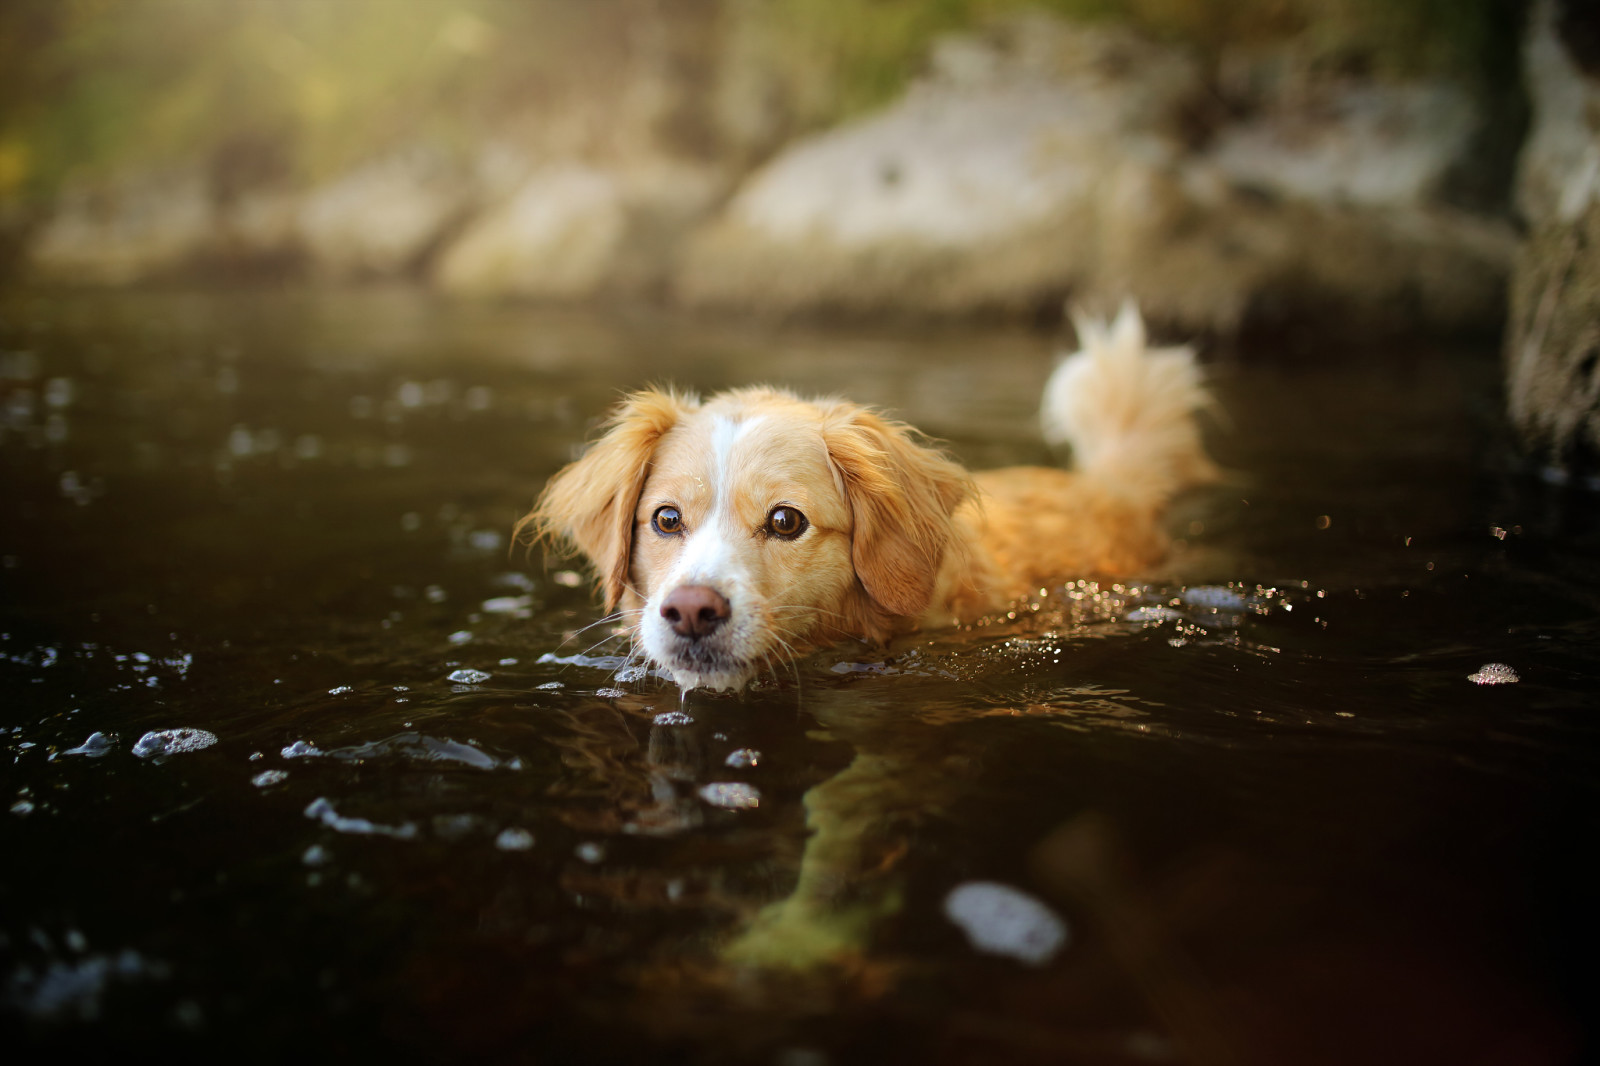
x=694 y=610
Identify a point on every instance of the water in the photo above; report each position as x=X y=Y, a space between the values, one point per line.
x=1252 y=808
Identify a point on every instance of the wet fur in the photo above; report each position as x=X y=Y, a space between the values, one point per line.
x=900 y=535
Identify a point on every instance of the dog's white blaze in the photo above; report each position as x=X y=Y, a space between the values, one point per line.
x=708 y=552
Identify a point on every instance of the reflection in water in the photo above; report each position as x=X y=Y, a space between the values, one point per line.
x=1276 y=819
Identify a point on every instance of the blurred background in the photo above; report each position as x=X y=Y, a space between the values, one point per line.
x=1363 y=163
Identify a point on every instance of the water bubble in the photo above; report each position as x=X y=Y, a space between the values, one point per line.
x=241 y=442
x=569 y=579
x=411 y=521
x=97 y=745
x=674 y=718
x=1152 y=615
x=410 y=394
x=478 y=398
x=731 y=795
x=744 y=757
x=514 y=840
x=467 y=676
x=269 y=777
x=513 y=580
x=1494 y=674
x=516 y=606
x=590 y=852
x=227 y=381
x=1001 y=920
x=610 y=693
x=315 y=855
x=550 y=686
x=434 y=594
x=22 y=807
x=300 y=749
x=1217 y=597
x=307 y=446
x=396 y=455
x=361 y=407
x=339 y=690
x=461 y=636
x=173 y=742
x=485 y=540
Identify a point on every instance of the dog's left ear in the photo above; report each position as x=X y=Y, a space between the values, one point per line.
x=902 y=495
x=589 y=504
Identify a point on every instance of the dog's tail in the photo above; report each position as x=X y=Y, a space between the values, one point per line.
x=1129 y=412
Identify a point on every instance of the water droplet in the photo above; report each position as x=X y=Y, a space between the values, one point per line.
x=468 y=677
x=590 y=852
x=300 y=749
x=269 y=777
x=742 y=758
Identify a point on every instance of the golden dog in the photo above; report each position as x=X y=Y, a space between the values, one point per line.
x=739 y=531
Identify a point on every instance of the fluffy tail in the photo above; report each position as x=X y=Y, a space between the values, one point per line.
x=1129 y=411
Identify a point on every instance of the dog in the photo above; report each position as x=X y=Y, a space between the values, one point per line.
x=739 y=532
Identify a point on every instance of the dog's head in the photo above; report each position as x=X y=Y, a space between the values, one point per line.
x=748 y=528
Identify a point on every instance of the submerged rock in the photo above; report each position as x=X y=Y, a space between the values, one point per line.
x=1553 y=339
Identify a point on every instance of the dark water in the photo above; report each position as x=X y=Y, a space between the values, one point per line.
x=1278 y=821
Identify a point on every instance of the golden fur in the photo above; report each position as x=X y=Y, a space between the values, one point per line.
x=898 y=534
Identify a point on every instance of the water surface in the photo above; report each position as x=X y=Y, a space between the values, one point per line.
x=415 y=811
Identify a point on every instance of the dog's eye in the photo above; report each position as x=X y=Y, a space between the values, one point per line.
x=667 y=521
x=786 y=523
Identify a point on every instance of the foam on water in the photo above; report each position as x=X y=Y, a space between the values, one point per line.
x=731 y=795
x=1001 y=920
x=172 y=742
x=96 y=745
x=322 y=810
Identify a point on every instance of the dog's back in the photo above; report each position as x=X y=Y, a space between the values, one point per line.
x=1129 y=415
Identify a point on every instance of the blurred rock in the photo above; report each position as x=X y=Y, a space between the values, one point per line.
x=981 y=189
x=1553 y=339
x=385 y=217
x=146 y=226
x=573 y=229
x=1045 y=159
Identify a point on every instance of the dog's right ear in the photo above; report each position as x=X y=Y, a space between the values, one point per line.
x=589 y=504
